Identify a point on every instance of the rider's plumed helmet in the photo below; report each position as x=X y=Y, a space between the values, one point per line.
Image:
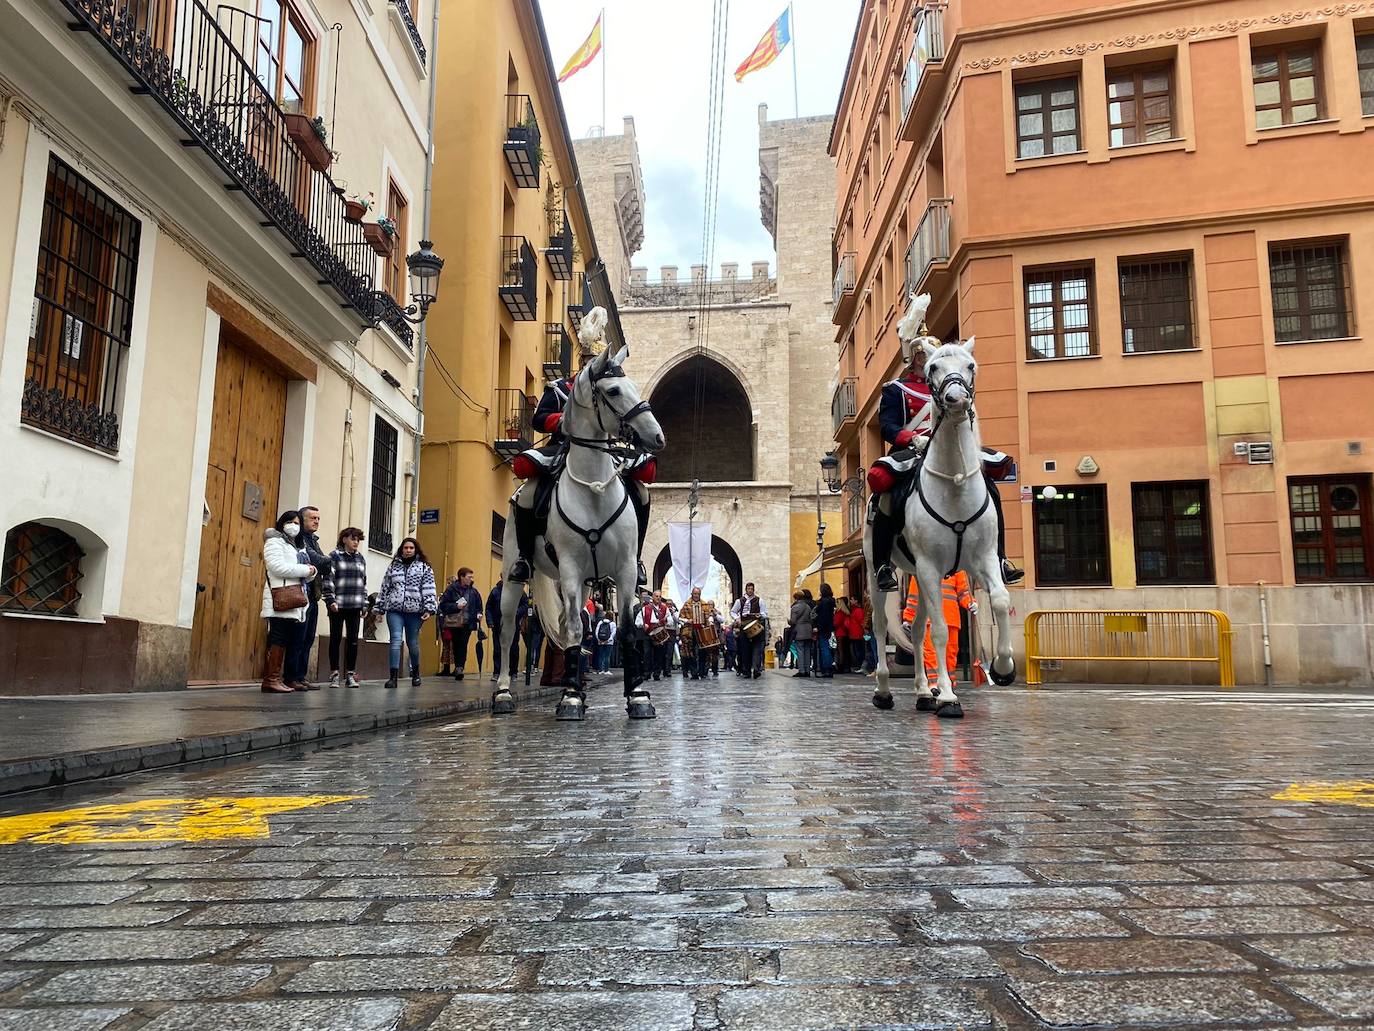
x=912 y=332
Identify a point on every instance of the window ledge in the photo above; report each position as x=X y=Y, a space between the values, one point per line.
x=99 y=621
x=1071 y=587
x=1064 y=358
x=1332 y=583
x=70 y=443
x=1127 y=150
x=398 y=20
x=1048 y=160
x=1318 y=340
x=1170 y=350
x=1278 y=132
x=396 y=343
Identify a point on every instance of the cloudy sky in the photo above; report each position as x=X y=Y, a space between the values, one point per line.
x=657 y=61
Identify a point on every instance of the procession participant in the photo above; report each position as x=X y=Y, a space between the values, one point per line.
x=906 y=417
x=637 y=637
x=658 y=623
x=711 y=631
x=694 y=622
x=955 y=595
x=750 y=616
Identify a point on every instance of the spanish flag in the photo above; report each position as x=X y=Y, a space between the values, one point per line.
x=779 y=34
x=586 y=53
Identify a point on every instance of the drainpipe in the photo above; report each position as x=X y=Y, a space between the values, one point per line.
x=1264 y=632
x=424 y=235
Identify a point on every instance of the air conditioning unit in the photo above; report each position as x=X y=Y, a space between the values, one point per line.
x=1260 y=453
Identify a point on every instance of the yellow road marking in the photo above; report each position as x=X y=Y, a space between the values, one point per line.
x=158 y=819
x=1335 y=792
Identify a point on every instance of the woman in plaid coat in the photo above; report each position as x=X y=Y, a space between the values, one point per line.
x=345 y=597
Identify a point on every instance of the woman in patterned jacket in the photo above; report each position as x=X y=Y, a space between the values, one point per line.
x=345 y=597
x=408 y=598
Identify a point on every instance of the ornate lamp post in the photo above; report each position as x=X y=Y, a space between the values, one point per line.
x=425 y=268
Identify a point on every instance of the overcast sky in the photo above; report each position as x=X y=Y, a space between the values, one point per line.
x=657 y=61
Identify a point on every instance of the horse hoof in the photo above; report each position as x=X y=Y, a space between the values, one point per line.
x=925 y=703
x=640 y=709
x=502 y=703
x=571 y=707
x=950 y=711
x=1003 y=679
x=884 y=701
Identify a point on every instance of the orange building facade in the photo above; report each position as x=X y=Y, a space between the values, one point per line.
x=1158 y=220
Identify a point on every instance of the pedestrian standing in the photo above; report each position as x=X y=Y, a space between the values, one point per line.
x=799 y=619
x=533 y=631
x=870 y=642
x=858 y=650
x=463 y=601
x=284 y=598
x=605 y=641
x=344 y=593
x=444 y=626
x=825 y=629
x=298 y=654
x=498 y=637
x=842 y=635
x=408 y=599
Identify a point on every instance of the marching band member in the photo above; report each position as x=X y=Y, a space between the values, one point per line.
x=658 y=622
x=750 y=616
x=695 y=618
x=906 y=417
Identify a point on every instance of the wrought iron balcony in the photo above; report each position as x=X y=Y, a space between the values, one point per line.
x=386 y=311
x=560 y=251
x=577 y=304
x=519 y=278
x=403 y=9
x=929 y=245
x=524 y=151
x=844 y=281
x=184 y=58
x=557 y=351
x=844 y=404
x=926 y=49
x=514 y=423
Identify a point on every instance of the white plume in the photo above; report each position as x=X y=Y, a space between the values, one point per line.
x=910 y=326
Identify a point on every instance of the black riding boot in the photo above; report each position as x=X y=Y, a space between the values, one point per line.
x=631 y=664
x=1010 y=574
x=884 y=533
x=642 y=518
x=572 y=661
x=526 y=532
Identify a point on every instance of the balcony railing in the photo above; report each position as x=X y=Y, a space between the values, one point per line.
x=560 y=251
x=844 y=278
x=577 y=305
x=519 y=278
x=557 y=351
x=514 y=423
x=929 y=46
x=403 y=9
x=929 y=245
x=844 y=404
x=180 y=54
x=386 y=311
x=524 y=153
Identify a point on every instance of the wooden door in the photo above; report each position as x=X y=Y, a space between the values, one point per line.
x=246 y=432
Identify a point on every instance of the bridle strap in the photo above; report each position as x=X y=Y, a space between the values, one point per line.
x=592 y=537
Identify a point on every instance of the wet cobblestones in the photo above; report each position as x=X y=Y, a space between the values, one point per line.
x=762 y=856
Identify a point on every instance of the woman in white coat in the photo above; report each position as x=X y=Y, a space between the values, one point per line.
x=286 y=566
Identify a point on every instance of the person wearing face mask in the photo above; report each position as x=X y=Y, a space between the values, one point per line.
x=345 y=596
x=286 y=567
x=408 y=598
x=298 y=652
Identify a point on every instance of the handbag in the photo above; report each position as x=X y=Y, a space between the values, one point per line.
x=454 y=620
x=288 y=597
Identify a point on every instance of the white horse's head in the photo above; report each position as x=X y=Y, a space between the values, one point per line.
x=950 y=372
x=612 y=397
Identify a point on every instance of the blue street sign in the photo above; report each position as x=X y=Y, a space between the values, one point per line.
x=429 y=515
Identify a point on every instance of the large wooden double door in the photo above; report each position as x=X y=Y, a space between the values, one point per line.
x=245 y=466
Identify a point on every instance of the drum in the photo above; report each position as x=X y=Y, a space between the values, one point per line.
x=752 y=628
x=687 y=643
x=708 y=636
x=659 y=635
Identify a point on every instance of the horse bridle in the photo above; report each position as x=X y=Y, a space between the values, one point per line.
x=956 y=526
x=625 y=432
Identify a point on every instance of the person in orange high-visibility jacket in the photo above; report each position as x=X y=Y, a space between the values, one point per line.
x=956 y=595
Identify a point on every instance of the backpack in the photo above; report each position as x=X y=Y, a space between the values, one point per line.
x=603 y=631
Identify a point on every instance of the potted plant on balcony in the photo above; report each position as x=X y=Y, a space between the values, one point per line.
x=355 y=207
x=312 y=139
x=381 y=234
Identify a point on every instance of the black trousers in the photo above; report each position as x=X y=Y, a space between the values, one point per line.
x=747 y=648
x=461 y=634
x=341 y=623
x=282 y=632
x=659 y=662
x=496 y=652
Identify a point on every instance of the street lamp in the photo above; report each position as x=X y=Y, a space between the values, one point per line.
x=830 y=468
x=425 y=268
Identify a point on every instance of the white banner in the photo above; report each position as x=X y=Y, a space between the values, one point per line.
x=689 y=545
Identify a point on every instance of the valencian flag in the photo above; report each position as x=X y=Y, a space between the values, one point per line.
x=779 y=34
x=586 y=53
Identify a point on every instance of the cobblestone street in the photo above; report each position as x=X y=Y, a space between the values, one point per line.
x=774 y=854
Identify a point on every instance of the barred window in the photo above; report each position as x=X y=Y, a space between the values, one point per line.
x=1156 y=304
x=385 y=440
x=1140 y=105
x=83 y=311
x=1288 y=88
x=1311 y=290
x=1329 y=516
x=1173 y=535
x=1364 y=55
x=41 y=571
x=1047 y=117
x=1059 y=313
x=1071 y=537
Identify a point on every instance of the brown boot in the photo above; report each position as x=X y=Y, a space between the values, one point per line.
x=271 y=674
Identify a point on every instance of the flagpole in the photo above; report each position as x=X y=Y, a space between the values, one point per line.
x=603 y=71
x=792 y=25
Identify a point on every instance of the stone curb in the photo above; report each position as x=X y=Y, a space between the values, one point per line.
x=76 y=767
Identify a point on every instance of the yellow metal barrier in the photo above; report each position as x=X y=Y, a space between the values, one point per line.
x=1129 y=635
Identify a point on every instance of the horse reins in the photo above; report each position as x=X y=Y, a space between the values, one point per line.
x=957 y=526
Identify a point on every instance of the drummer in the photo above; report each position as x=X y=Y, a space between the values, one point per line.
x=698 y=623
x=749 y=615
x=658 y=622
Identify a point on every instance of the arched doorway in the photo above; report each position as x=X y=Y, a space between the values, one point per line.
x=722 y=438
x=731 y=569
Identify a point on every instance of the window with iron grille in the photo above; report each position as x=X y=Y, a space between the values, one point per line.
x=1059 y=313
x=83 y=311
x=385 y=439
x=1330 y=517
x=1288 y=89
x=1156 y=304
x=1364 y=56
x=1310 y=286
x=1071 y=537
x=1173 y=534
x=41 y=571
x=1047 y=117
x=1140 y=105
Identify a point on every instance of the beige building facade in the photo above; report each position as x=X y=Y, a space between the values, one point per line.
x=196 y=329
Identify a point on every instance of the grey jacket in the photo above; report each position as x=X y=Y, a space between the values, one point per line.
x=800 y=619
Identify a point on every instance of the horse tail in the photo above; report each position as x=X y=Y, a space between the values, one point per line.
x=548 y=595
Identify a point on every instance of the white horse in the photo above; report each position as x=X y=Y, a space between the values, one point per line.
x=949 y=524
x=591 y=525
